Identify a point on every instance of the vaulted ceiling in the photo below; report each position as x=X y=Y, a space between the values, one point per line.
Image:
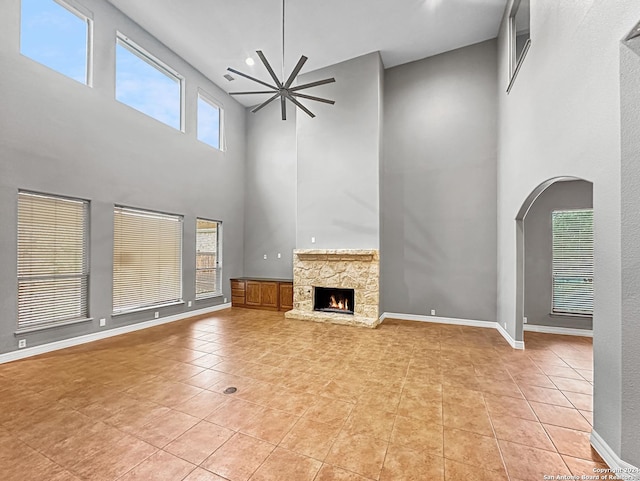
x=215 y=34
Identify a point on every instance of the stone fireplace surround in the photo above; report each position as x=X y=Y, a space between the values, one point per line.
x=357 y=269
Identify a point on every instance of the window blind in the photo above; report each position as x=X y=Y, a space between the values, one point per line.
x=572 y=261
x=53 y=273
x=147 y=259
x=208 y=279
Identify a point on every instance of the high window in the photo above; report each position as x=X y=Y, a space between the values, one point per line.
x=572 y=268
x=57 y=35
x=209 y=122
x=53 y=268
x=148 y=85
x=147 y=259
x=519 y=25
x=208 y=278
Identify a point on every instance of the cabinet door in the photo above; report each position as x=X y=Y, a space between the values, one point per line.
x=252 y=293
x=286 y=296
x=269 y=294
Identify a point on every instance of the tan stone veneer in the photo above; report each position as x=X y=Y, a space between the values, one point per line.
x=357 y=269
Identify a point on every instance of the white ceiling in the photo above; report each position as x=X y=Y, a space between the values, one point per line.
x=215 y=34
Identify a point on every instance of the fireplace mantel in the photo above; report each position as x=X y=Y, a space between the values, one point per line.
x=357 y=269
x=334 y=255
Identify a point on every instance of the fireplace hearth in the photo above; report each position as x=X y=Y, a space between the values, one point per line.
x=333 y=299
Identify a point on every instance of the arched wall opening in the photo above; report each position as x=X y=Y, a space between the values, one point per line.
x=521 y=241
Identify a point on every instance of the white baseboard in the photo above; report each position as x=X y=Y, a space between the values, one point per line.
x=619 y=467
x=96 y=336
x=564 y=331
x=438 y=320
x=512 y=342
x=455 y=321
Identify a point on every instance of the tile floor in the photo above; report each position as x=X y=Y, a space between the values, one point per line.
x=406 y=401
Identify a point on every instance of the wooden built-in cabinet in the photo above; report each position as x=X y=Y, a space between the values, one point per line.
x=286 y=296
x=257 y=293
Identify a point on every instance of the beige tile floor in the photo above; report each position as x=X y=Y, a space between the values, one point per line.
x=406 y=401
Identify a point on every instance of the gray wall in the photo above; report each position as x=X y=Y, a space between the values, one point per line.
x=339 y=158
x=538 y=252
x=562 y=118
x=630 y=103
x=438 y=195
x=270 y=202
x=61 y=137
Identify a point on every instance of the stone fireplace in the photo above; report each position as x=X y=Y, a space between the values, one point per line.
x=351 y=276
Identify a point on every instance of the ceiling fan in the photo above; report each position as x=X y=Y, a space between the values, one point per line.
x=283 y=89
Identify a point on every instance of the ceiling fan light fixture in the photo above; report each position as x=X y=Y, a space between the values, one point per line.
x=283 y=88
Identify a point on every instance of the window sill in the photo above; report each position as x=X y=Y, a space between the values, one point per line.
x=581 y=316
x=209 y=296
x=146 y=308
x=51 y=325
x=512 y=80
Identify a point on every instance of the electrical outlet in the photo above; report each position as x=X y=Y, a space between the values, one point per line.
x=190 y=303
x=504 y=324
x=22 y=343
x=433 y=312
x=156 y=315
x=279 y=256
x=313 y=240
x=103 y=322
x=524 y=319
x=264 y=257
x=225 y=300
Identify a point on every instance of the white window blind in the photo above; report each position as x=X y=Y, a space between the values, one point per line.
x=147 y=259
x=53 y=272
x=573 y=261
x=208 y=278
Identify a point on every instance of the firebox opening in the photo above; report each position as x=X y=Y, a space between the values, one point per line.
x=332 y=299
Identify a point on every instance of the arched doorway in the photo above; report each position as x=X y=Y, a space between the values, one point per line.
x=525 y=209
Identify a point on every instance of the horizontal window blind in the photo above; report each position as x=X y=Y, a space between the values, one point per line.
x=53 y=273
x=208 y=278
x=573 y=261
x=147 y=259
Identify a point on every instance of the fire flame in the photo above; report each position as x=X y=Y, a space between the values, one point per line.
x=342 y=304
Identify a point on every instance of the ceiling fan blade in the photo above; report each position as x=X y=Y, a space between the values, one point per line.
x=251 y=78
x=302 y=107
x=266 y=102
x=283 y=107
x=250 y=93
x=295 y=72
x=311 y=97
x=268 y=67
x=313 y=84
